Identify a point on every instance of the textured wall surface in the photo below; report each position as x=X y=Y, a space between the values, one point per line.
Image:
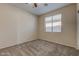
x=68 y=34
x=16 y=26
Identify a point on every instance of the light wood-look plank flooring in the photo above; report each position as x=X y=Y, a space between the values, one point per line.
x=39 y=48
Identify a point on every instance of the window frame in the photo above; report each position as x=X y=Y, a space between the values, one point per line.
x=52 y=23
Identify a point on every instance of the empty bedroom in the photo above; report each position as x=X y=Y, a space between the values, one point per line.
x=39 y=29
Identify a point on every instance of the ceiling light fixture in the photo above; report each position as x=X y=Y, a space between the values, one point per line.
x=36 y=5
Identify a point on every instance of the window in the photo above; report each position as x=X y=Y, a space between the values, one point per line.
x=53 y=23
x=48 y=24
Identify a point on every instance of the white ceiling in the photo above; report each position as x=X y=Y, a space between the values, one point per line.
x=40 y=10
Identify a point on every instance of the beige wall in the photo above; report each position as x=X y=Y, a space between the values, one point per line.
x=77 y=27
x=68 y=34
x=16 y=26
